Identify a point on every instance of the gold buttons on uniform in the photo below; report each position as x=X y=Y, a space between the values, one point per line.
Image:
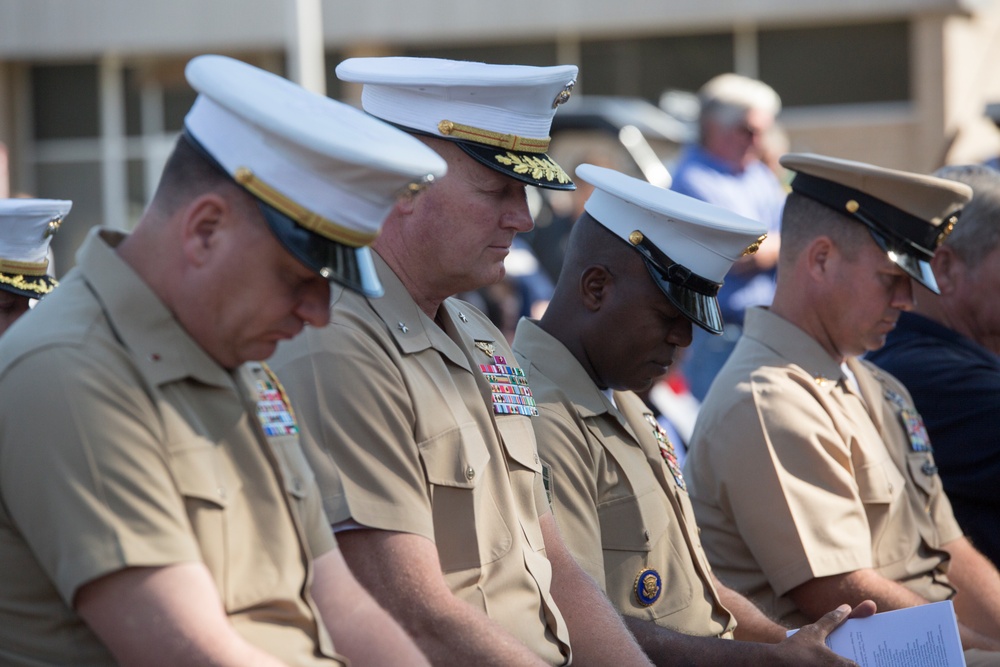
x=470 y=473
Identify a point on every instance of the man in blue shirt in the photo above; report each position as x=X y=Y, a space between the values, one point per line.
x=725 y=169
x=946 y=353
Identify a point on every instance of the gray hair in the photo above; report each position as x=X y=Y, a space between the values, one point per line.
x=977 y=233
x=726 y=98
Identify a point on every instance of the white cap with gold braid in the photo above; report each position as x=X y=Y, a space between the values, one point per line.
x=26 y=228
x=325 y=173
x=499 y=114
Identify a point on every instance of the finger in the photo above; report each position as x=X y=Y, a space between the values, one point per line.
x=830 y=621
x=864 y=610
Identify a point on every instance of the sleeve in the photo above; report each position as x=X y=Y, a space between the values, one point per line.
x=82 y=471
x=570 y=467
x=784 y=474
x=356 y=416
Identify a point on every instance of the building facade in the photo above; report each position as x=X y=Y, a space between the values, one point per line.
x=92 y=94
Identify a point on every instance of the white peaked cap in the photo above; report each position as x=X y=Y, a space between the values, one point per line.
x=323 y=166
x=688 y=245
x=26 y=228
x=500 y=114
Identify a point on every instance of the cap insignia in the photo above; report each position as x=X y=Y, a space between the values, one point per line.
x=754 y=247
x=852 y=206
x=648 y=586
x=32 y=285
x=946 y=229
x=539 y=167
x=52 y=227
x=564 y=94
x=635 y=238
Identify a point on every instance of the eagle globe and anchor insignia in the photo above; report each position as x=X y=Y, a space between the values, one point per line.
x=648 y=586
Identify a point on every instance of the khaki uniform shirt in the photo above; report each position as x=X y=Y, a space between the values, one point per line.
x=623 y=512
x=794 y=475
x=413 y=427
x=122 y=444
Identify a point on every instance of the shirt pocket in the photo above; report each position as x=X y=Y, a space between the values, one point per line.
x=881 y=488
x=637 y=535
x=525 y=470
x=455 y=464
x=209 y=485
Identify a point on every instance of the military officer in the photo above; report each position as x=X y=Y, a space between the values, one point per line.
x=810 y=471
x=642 y=265
x=156 y=506
x=426 y=458
x=26 y=228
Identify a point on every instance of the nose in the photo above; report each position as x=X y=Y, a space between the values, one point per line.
x=680 y=332
x=902 y=297
x=517 y=215
x=313 y=307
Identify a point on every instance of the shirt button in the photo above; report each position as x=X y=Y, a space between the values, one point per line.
x=297 y=485
x=645 y=534
x=221 y=492
x=470 y=473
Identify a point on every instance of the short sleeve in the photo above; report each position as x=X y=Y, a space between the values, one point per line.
x=82 y=471
x=783 y=473
x=356 y=420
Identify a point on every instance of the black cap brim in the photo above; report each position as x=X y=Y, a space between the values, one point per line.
x=536 y=169
x=702 y=309
x=918 y=268
x=33 y=287
x=352 y=267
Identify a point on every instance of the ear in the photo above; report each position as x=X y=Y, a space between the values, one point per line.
x=595 y=285
x=202 y=220
x=820 y=256
x=948 y=269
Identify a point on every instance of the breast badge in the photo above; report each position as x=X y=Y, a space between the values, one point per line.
x=666 y=450
x=912 y=422
x=274 y=411
x=509 y=388
x=648 y=586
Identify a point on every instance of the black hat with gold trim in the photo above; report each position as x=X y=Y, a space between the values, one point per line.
x=688 y=245
x=325 y=174
x=499 y=114
x=26 y=228
x=908 y=215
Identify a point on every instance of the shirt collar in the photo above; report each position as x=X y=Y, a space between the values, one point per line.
x=163 y=351
x=796 y=346
x=551 y=358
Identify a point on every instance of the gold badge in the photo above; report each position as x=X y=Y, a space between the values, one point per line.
x=754 y=247
x=946 y=229
x=564 y=94
x=52 y=227
x=487 y=347
x=647 y=587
